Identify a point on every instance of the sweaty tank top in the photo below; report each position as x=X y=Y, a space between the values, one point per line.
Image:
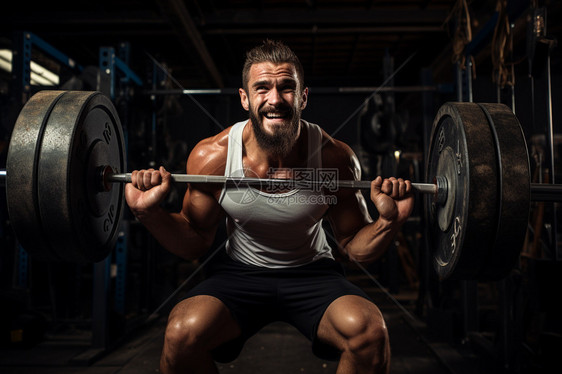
x=274 y=230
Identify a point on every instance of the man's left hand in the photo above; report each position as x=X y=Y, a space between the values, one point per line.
x=393 y=198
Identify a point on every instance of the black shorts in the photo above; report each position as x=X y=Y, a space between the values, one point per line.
x=258 y=296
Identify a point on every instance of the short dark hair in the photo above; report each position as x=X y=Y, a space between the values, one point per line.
x=271 y=51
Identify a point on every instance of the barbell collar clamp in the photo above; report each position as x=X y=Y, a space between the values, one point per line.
x=103 y=182
x=441 y=190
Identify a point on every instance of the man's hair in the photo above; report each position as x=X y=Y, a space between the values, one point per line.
x=271 y=51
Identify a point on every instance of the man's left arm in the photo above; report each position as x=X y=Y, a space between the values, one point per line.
x=359 y=237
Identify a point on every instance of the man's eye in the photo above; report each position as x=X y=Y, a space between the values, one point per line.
x=288 y=89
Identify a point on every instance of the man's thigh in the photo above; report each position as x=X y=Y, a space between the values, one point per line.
x=249 y=300
x=308 y=296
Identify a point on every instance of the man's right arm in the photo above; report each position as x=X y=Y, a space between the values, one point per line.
x=190 y=232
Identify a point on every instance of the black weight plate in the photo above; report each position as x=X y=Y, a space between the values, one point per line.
x=82 y=134
x=21 y=170
x=461 y=230
x=515 y=191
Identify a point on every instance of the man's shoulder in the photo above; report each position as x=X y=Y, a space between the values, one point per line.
x=334 y=149
x=209 y=155
x=337 y=154
x=329 y=143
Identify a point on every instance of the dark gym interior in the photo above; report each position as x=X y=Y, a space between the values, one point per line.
x=378 y=72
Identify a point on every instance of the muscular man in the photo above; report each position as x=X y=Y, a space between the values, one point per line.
x=277 y=265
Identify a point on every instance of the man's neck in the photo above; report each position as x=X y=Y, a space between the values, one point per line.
x=261 y=158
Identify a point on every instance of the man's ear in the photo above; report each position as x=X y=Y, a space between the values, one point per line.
x=304 y=97
x=244 y=99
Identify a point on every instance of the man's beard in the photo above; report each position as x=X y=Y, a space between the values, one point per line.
x=283 y=139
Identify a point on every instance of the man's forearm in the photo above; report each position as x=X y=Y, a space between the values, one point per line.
x=372 y=241
x=174 y=232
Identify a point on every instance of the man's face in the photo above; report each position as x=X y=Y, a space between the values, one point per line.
x=275 y=100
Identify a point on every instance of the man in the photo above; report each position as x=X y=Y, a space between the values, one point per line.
x=277 y=265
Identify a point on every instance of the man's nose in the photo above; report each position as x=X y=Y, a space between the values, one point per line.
x=274 y=97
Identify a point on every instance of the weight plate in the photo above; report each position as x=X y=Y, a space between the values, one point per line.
x=461 y=230
x=515 y=191
x=21 y=171
x=82 y=134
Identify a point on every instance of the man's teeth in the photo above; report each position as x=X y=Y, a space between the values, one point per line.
x=274 y=115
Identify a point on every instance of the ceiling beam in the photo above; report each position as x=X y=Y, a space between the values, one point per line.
x=321 y=30
x=188 y=31
x=326 y=16
x=91 y=17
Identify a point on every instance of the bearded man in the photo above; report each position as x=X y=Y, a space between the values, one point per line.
x=277 y=264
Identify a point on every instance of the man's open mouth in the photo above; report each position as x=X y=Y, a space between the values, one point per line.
x=275 y=115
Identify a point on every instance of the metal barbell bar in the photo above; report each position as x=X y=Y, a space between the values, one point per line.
x=107 y=177
x=426 y=188
x=539 y=191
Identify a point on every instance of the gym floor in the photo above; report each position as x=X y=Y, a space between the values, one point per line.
x=278 y=348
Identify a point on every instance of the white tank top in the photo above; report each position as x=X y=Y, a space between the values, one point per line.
x=274 y=230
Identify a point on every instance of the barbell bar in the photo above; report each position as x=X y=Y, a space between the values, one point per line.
x=425 y=188
x=67 y=152
x=539 y=191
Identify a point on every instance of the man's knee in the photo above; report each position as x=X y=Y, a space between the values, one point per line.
x=364 y=333
x=367 y=343
x=184 y=333
x=356 y=326
x=199 y=324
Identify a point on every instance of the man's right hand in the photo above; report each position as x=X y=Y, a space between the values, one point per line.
x=147 y=190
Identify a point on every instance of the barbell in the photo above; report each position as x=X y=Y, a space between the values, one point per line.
x=67 y=154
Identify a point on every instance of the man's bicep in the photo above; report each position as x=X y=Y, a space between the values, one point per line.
x=200 y=204
x=202 y=211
